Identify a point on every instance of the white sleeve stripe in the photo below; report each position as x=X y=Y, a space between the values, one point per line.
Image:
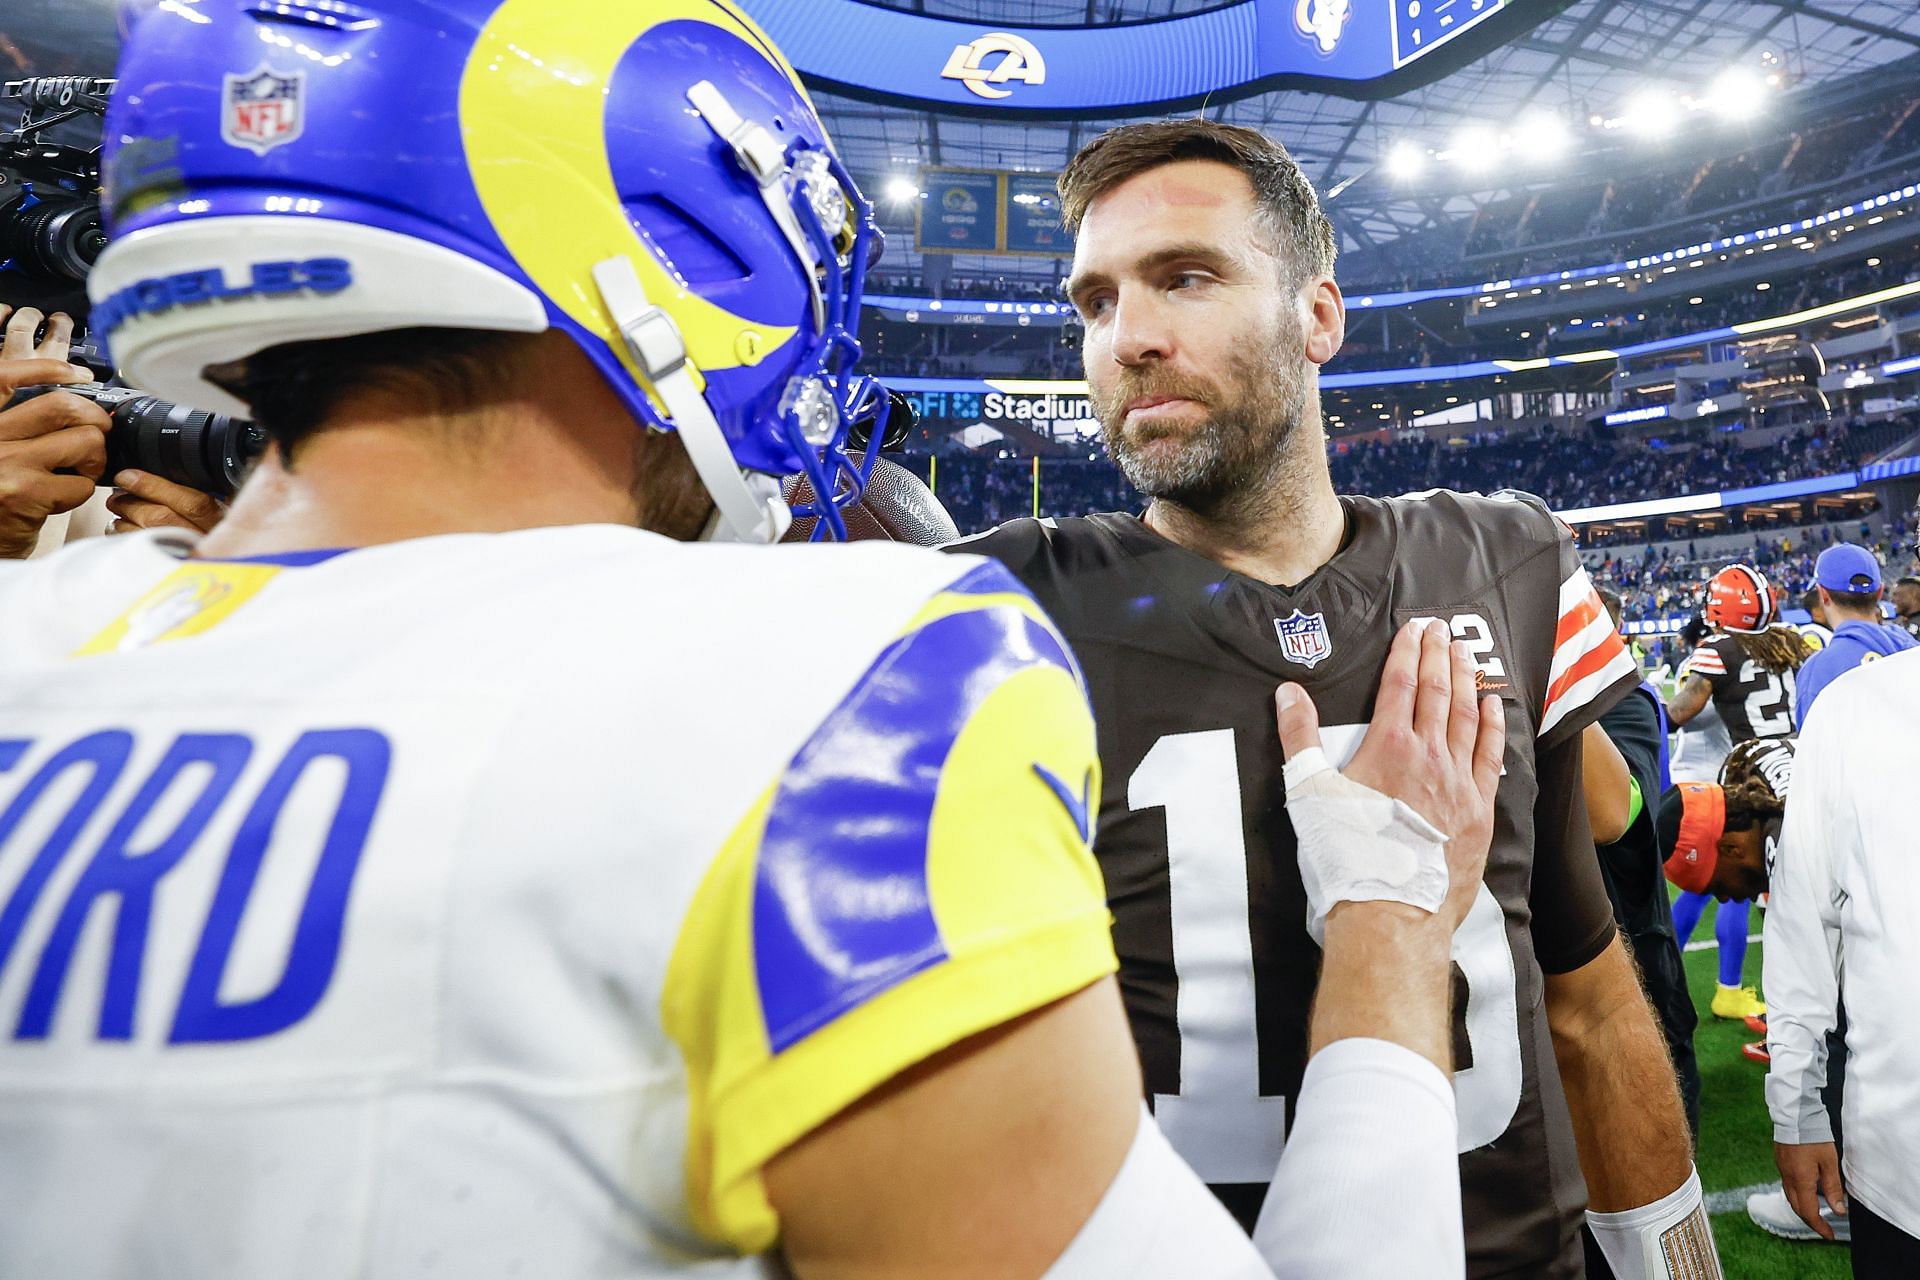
x=1574 y=590
x=1707 y=662
x=1582 y=692
x=1578 y=645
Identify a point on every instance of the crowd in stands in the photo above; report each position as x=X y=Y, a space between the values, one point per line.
x=1629 y=216
x=1572 y=471
x=1049 y=350
x=969 y=351
x=996 y=288
x=1672 y=317
x=1612 y=219
x=1669 y=580
x=1568 y=471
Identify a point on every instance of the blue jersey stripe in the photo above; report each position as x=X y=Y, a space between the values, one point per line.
x=841 y=909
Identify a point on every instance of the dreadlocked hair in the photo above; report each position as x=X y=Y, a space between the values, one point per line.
x=1778 y=649
x=1750 y=799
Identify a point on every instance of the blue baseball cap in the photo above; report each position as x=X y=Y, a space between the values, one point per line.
x=1846 y=567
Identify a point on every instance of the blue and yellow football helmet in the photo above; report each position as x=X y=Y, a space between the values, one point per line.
x=647 y=176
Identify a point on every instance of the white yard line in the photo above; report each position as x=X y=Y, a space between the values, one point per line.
x=1713 y=944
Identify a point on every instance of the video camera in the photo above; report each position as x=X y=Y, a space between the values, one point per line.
x=50 y=191
x=51 y=234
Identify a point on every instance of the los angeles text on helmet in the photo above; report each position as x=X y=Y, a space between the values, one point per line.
x=1043 y=408
x=210 y=284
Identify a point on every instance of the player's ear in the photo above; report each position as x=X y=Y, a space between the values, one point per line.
x=1326 y=319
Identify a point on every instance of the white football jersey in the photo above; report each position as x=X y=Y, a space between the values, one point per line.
x=1700 y=746
x=498 y=905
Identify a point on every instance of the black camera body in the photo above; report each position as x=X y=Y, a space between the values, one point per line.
x=210 y=452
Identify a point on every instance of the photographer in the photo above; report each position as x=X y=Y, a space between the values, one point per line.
x=143 y=500
x=52 y=448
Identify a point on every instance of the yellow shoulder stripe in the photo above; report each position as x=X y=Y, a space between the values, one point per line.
x=193 y=599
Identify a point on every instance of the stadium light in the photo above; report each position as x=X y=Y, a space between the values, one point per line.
x=1405 y=161
x=901 y=190
x=1543 y=136
x=1651 y=113
x=1736 y=94
x=1475 y=148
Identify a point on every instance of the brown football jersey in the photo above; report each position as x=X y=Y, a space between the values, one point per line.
x=1753 y=702
x=1182 y=658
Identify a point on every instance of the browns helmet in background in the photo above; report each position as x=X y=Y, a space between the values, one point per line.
x=1741 y=600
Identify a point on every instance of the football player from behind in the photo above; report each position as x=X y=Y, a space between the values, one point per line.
x=1745 y=670
x=1746 y=666
x=1203 y=272
x=430 y=869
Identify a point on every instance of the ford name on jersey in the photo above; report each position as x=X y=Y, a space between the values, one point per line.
x=209 y=284
x=148 y=838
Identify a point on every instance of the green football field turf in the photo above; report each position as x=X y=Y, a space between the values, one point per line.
x=1736 y=1138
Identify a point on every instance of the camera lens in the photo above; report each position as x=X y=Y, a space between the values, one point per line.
x=206 y=451
x=902 y=418
x=51 y=234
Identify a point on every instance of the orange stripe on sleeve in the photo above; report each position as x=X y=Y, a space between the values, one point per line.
x=1588 y=663
x=1575 y=620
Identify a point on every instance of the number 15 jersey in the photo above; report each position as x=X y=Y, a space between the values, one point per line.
x=1182 y=657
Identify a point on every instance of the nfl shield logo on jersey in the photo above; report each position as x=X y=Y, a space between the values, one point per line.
x=1304 y=639
x=263 y=109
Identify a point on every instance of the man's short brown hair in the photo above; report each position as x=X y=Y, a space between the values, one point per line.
x=1854 y=601
x=1302 y=233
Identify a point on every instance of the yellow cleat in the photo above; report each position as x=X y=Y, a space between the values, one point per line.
x=1737 y=1003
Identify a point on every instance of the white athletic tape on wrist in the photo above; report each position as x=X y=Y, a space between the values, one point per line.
x=1669 y=1239
x=1356 y=845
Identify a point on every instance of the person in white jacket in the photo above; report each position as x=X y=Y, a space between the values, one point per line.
x=1844 y=925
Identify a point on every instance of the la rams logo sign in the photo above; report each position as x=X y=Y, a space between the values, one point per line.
x=263 y=109
x=1304 y=638
x=1323 y=21
x=1017 y=60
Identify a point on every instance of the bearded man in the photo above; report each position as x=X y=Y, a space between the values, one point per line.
x=1203 y=271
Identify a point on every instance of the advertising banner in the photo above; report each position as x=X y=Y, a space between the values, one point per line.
x=961 y=212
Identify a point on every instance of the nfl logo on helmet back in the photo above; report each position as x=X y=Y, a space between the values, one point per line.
x=1304 y=638
x=262 y=110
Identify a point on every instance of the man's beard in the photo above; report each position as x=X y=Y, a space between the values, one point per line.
x=1223 y=465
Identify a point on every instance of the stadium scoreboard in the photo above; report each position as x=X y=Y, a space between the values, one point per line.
x=1360 y=48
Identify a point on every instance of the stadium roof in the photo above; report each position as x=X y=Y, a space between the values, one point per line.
x=1584 y=59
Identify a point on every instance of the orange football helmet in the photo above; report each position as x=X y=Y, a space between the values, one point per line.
x=1739 y=598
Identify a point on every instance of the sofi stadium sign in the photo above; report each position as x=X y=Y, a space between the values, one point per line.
x=1361 y=48
x=956 y=403
x=1040 y=412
